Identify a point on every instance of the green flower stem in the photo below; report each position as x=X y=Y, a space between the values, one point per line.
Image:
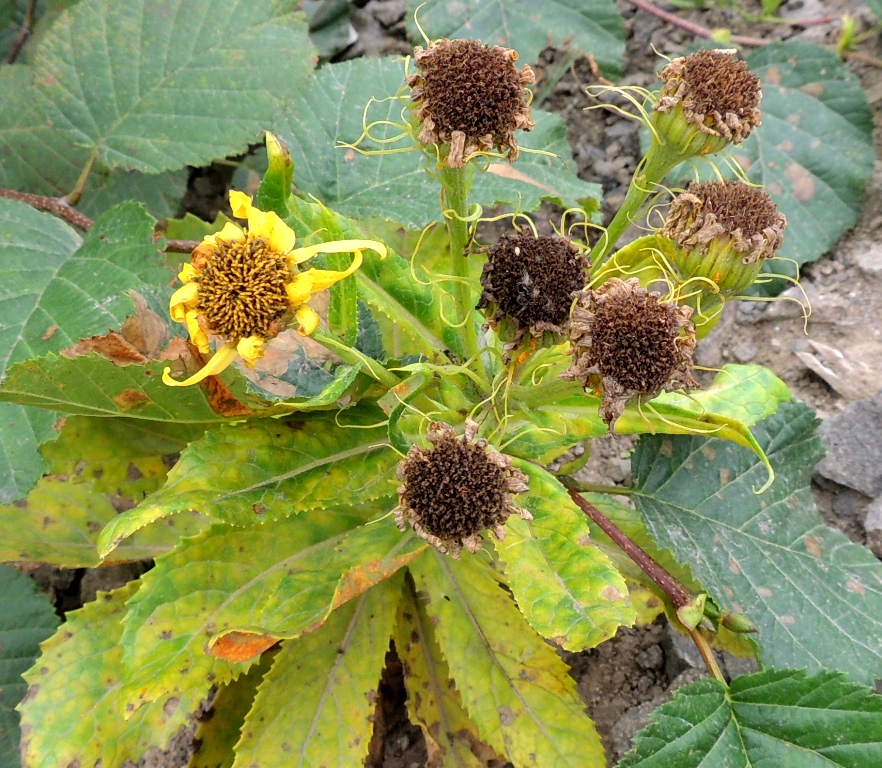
x=455 y=183
x=354 y=357
x=658 y=163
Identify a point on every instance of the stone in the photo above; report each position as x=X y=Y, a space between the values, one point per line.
x=853 y=439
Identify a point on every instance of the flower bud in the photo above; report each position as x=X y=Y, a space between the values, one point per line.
x=471 y=98
x=723 y=230
x=708 y=100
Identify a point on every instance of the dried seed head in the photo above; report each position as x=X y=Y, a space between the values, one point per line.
x=708 y=100
x=471 y=97
x=530 y=281
x=455 y=489
x=242 y=288
x=626 y=342
x=724 y=229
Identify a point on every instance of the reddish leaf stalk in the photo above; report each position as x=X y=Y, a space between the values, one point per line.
x=691 y=26
x=680 y=596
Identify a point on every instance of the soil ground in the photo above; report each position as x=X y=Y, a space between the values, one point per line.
x=832 y=360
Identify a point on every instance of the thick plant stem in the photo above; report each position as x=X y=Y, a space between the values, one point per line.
x=659 y=161
x=455 y=183
x=681 y=597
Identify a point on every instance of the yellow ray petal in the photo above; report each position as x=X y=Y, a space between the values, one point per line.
x=308 y=320
x=187 y=273
x=283 y=238
x=240 y=203
x=229 y=234
x=180 y=299
x=325 y=278
x=251 y=349
x=197 y=335
x=221 y=360
x=299 y=289
x=337 y=246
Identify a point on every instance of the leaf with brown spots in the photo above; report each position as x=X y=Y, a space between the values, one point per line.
x=433 y=702
x=278 y=580
x=76 y=691
x=317 y=702
x=566 y=588
x=815 y=596
x=515 y=688
x=112 y=346
x=241 y=646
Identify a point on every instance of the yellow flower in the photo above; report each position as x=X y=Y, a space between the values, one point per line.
x=245 y=286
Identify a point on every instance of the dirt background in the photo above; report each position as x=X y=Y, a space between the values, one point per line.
x=832 y=361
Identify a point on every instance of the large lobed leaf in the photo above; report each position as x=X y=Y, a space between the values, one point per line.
x=267 y=470
x=317 y=703
x=26 y=619
x=213 y=605
x=158 y=84
x=565 y=586
x=591 y=27
x=514 y=687
x=393 y=186
x=74 y=712
x=775 y=718
x=815 y=596
x=56 y=287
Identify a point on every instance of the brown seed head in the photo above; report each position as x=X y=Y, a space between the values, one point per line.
x=471 y=97
x=715 y=91
x=532 y=280
x=744 y=216
x=242 y=288
x=626 y=342
x=453 y=490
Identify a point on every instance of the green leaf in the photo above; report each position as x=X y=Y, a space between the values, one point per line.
x=91 y=385
x=814 y=151
x=57 y=288
x=324 y=685
x=395 y=287
x=393 y=186
x=815 y=596
x=591 y=27
x=34 y=156
x=159 y=193
x=216 y=736
x=776 y=718
x=259 y=584
x=566 y=588
x=160 y=84
x=746 y=393
x=26 y=619
x=74 y=714
x=433 y=702
x=37 y=158
x=514 y=687
x=59 y=523
x=267 y=470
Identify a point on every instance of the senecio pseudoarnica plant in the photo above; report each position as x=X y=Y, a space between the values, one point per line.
x=341 y=436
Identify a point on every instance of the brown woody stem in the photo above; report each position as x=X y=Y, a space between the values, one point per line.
x=680 y=596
